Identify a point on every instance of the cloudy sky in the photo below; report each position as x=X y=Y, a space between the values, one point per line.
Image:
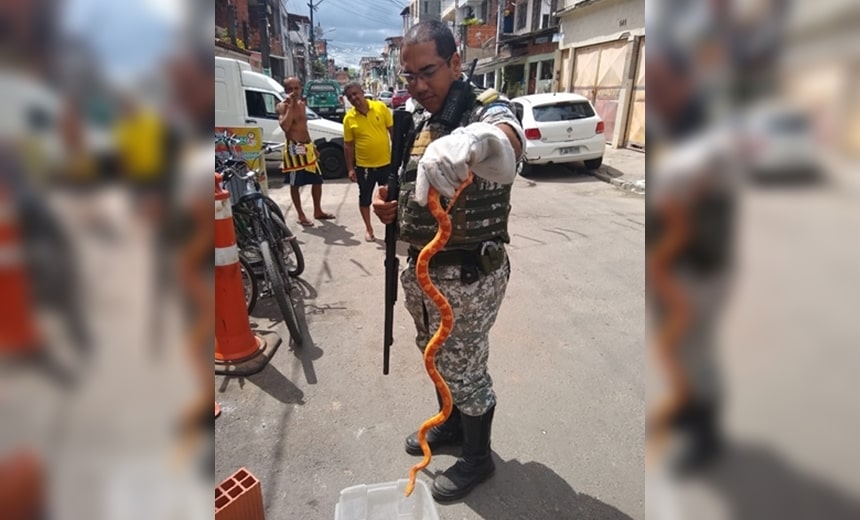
x=129 y=37
x=354 y=28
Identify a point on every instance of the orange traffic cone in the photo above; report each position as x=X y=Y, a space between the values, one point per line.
x=17 y=327
x=234 y=340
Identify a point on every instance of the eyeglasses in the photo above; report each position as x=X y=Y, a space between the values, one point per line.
x=426 y=74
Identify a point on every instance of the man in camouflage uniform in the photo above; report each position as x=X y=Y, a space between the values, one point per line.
x=458 y=129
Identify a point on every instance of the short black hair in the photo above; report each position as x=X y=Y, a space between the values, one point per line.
x=435 y=31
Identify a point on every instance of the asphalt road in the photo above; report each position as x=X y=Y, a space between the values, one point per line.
x=567 y=360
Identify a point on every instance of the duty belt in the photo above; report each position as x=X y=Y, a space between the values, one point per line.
x=472 y=262
x=450 y=257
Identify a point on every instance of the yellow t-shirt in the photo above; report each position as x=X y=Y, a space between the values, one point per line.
x=370 y=134
x=139 y=138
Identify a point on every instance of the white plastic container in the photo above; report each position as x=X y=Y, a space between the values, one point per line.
x=386 y=501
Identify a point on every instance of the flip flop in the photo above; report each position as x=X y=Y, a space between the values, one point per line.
x=370 y=238
x=325 y=216
x=305 y=223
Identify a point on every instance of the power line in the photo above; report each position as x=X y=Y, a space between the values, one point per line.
x=349 y=5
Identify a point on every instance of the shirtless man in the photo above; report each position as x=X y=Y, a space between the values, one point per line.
x=300 y=157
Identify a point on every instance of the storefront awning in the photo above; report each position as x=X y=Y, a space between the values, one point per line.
x=490 y=66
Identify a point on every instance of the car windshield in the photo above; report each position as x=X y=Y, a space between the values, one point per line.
x=566 y=111
x=385 y=94
x=311 y=114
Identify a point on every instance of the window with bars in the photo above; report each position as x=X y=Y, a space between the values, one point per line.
x=546 y=69
x=522 y=11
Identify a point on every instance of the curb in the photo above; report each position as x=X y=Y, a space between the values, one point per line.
x=621 y=184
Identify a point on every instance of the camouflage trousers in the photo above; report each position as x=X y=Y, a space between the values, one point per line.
x=698 y=348
x=462 y=359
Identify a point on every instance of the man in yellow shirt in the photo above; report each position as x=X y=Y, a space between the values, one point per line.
x=367 y=137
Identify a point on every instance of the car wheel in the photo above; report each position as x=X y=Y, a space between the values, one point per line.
x=593 y=164
x=524 y=169
x=332 y=163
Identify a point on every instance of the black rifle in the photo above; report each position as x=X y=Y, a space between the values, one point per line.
x=402 y=133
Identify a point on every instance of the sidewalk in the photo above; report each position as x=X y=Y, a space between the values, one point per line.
x=624 y=168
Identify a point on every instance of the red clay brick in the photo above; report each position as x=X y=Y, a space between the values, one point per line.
x=239 y=497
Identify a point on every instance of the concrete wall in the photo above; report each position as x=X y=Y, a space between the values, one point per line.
x=602 y=21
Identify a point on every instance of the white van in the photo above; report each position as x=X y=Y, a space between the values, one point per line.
x=244 y=97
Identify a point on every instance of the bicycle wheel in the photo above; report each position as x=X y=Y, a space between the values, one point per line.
x=274 y=208
x=293 y=257
x=249 y=282
x=280 y=288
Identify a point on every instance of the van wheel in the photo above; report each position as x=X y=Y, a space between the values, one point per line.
x=332 y=162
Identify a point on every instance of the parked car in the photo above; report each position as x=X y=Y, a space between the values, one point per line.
x=385 y=96
x=778 y=144
x=399 y=98
x=324 y=96
x=560 y=128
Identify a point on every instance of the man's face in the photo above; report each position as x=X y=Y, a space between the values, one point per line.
x=355 y=96
x=293 y=88
x=428 y=76
x=669 y=89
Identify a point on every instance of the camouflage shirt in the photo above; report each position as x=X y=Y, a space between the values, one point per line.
x=481 y=212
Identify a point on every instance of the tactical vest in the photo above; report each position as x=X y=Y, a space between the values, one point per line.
x=481 y=211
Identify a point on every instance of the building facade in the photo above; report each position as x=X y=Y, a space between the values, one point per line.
x=595 y=48
x=602 y=56
x=299 y=37
x=255 y=26
x=525 y=48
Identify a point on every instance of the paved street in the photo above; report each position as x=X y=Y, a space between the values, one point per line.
x=567 y=359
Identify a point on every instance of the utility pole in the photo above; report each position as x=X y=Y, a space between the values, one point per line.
x=313 y=7
x=264 y=37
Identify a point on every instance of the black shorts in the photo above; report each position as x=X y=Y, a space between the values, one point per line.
x=366 y=178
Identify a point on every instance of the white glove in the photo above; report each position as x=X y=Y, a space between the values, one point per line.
x=480 y=147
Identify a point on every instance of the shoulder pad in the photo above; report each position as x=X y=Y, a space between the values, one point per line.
x=488 y=96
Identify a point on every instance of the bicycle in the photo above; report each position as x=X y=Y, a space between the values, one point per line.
x=293 y=256
x=262 y=235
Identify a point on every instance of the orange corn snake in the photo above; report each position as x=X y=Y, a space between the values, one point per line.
x=446 y=321
x=659 y=265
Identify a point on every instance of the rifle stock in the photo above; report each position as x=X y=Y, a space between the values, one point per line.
x=401 y=131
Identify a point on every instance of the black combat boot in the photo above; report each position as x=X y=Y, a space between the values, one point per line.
x=700 y=426
x=474 y=466
x=448 y=433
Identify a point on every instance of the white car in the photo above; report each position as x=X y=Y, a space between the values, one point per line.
x=385 y=96
x=560 y=128
x=778 y=143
